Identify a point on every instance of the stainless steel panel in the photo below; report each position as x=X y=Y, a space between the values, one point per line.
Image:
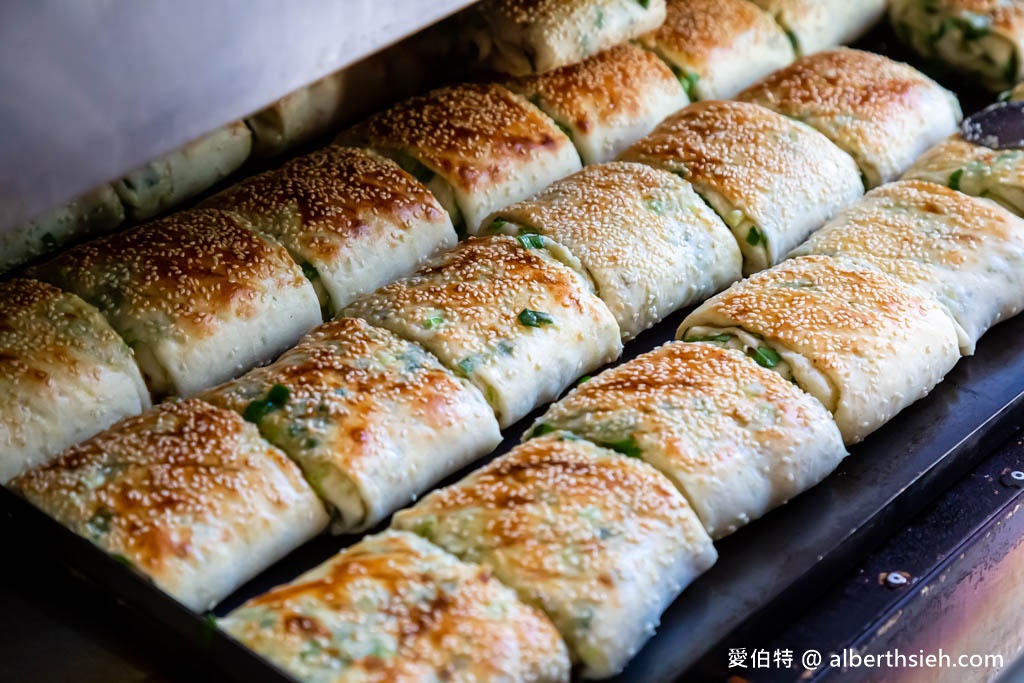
x=93 y=88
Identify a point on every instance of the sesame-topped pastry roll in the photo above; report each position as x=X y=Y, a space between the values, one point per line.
x=93 y=213
x=478 y=147
x=815 y=25
x=647 y=240
x=773 y=180
x=505 y=312
x=199 y=296
x=736 y=438
x=996 y=174
x=982 y=38
x=863 y=343
x=374 y=421
x=607 y=102
x=187 y=494
x=521 y=37
x=965 y=252
x=395 y=608
x=185 y=172
x=64 y=374
x=882 y=113
x=602 y=543
x=718 y=47
x=351 y=218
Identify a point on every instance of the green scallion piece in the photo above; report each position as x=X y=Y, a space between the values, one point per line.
x=531 y=241
x=276 y=398
x=541 y=430
x=531 y=318
x=754 y=237
x=765 y=356
x=954 y=179
x=712 y=338
x=628 y=447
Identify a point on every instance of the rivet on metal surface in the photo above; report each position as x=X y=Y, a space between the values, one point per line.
x=895 y=579
x=1013 y=479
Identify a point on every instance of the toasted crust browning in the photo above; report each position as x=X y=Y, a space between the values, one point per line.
x=373 y=421
x=602 y=543
x=878 y=345
x=883 y=113
x=966 y=253
x=815 y=25
x=996 y=174
x=735 y=438
x=395 y=608
x=646 y=239
x=199 y=296
x=64 y=374
x=521 y=37
x=186 y=493
x=773 y=180
x=607 y=102
x=513 y=319
x=984 y=38
x=355 y=219
x=490 y=146
x=719 y=47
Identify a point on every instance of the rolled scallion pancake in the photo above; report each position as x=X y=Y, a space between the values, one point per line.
x=521 y=37
x=185 y=172
x=602 y=543
x=507 y=313
x=735 y=438
x=199 y=296
x=93 y=213
x=187 y=494
x=373 y=421
x=353 y=219
x=395 y=608
x=299 y=116
x=860 y=341
x=718 y=47
x=815 y=25
x=982 y=38
x=773 y=180
x=881 y=112
x=996 y=174
x=477 y=147
x=64 y=374
x=965 y=252
x=647 y=240
x=607 y=102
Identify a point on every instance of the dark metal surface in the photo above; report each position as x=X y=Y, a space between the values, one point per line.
x=962 y=586
x=94 y=88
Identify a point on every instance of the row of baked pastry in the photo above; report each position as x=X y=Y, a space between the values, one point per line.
x=734 y=38
x=738 y=44
x=506 y=313
x=582 y=521
x=595 y=540
x=351 y=219
x=205 y=294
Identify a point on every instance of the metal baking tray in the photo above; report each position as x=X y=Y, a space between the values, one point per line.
x=773 y=566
